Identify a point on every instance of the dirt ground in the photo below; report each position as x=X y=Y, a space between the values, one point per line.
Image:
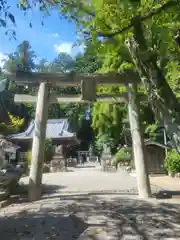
x=166 y=182
x=88 y=204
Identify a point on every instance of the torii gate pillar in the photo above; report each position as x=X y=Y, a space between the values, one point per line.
x=143 y=182
x=36 y=170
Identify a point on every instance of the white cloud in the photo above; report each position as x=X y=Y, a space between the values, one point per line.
x=65 y=47
x=55 y=35
x=69 y=48
x=3 y=57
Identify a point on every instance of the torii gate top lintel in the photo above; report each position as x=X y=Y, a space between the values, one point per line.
x=88 y=83
x=73 y=78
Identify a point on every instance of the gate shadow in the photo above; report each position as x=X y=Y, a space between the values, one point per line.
x=72 y=217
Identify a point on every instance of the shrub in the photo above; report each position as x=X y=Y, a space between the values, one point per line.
x=48 y=153
x=124 y=155
x=15 y=125
x=48 y=150
x=172 y=161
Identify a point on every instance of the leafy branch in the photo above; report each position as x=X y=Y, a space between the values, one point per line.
x=166 y=6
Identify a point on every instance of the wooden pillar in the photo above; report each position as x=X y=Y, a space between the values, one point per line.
x=35 y=178
x=138 y=143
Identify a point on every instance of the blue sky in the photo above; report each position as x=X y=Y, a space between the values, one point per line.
x=57 y=34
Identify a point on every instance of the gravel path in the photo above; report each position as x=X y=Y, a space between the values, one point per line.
x=64 y=214
x=88 y=179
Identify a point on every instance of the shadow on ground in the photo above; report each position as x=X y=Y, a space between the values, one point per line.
x=20 y=192
x=76 y=194
x=72 y=217
x=49 y=189
x=22 y=189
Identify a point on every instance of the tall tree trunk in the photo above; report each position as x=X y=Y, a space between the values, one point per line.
x=161 y=97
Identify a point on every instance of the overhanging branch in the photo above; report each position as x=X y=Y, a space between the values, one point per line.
x=169 y=4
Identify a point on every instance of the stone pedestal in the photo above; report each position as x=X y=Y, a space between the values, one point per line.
x=58 y=163
x=105 y=161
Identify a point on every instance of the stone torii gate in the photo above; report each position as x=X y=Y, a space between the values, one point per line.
x=88 y=83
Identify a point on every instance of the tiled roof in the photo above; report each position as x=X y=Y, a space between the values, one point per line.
x=56 y=129
x=148 y=142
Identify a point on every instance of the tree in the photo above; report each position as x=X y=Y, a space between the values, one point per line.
x=43 y=66
x=143 y=26
x=102 y=19
x=23 y=56
x=63 y=63
x=107 y=122
x=88 y=61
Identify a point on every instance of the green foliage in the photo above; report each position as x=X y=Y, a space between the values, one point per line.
x=107 y=122
x=96 y=146
x=103 y=139
x=48 y=153
x=89 y=61
x=123 y=156
x=173 y=75
x=63 y=63
x=172 y=161
x=24 y=56
x=14 y=126
x=48 y=150
x=43 y=66
x=151 y=130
